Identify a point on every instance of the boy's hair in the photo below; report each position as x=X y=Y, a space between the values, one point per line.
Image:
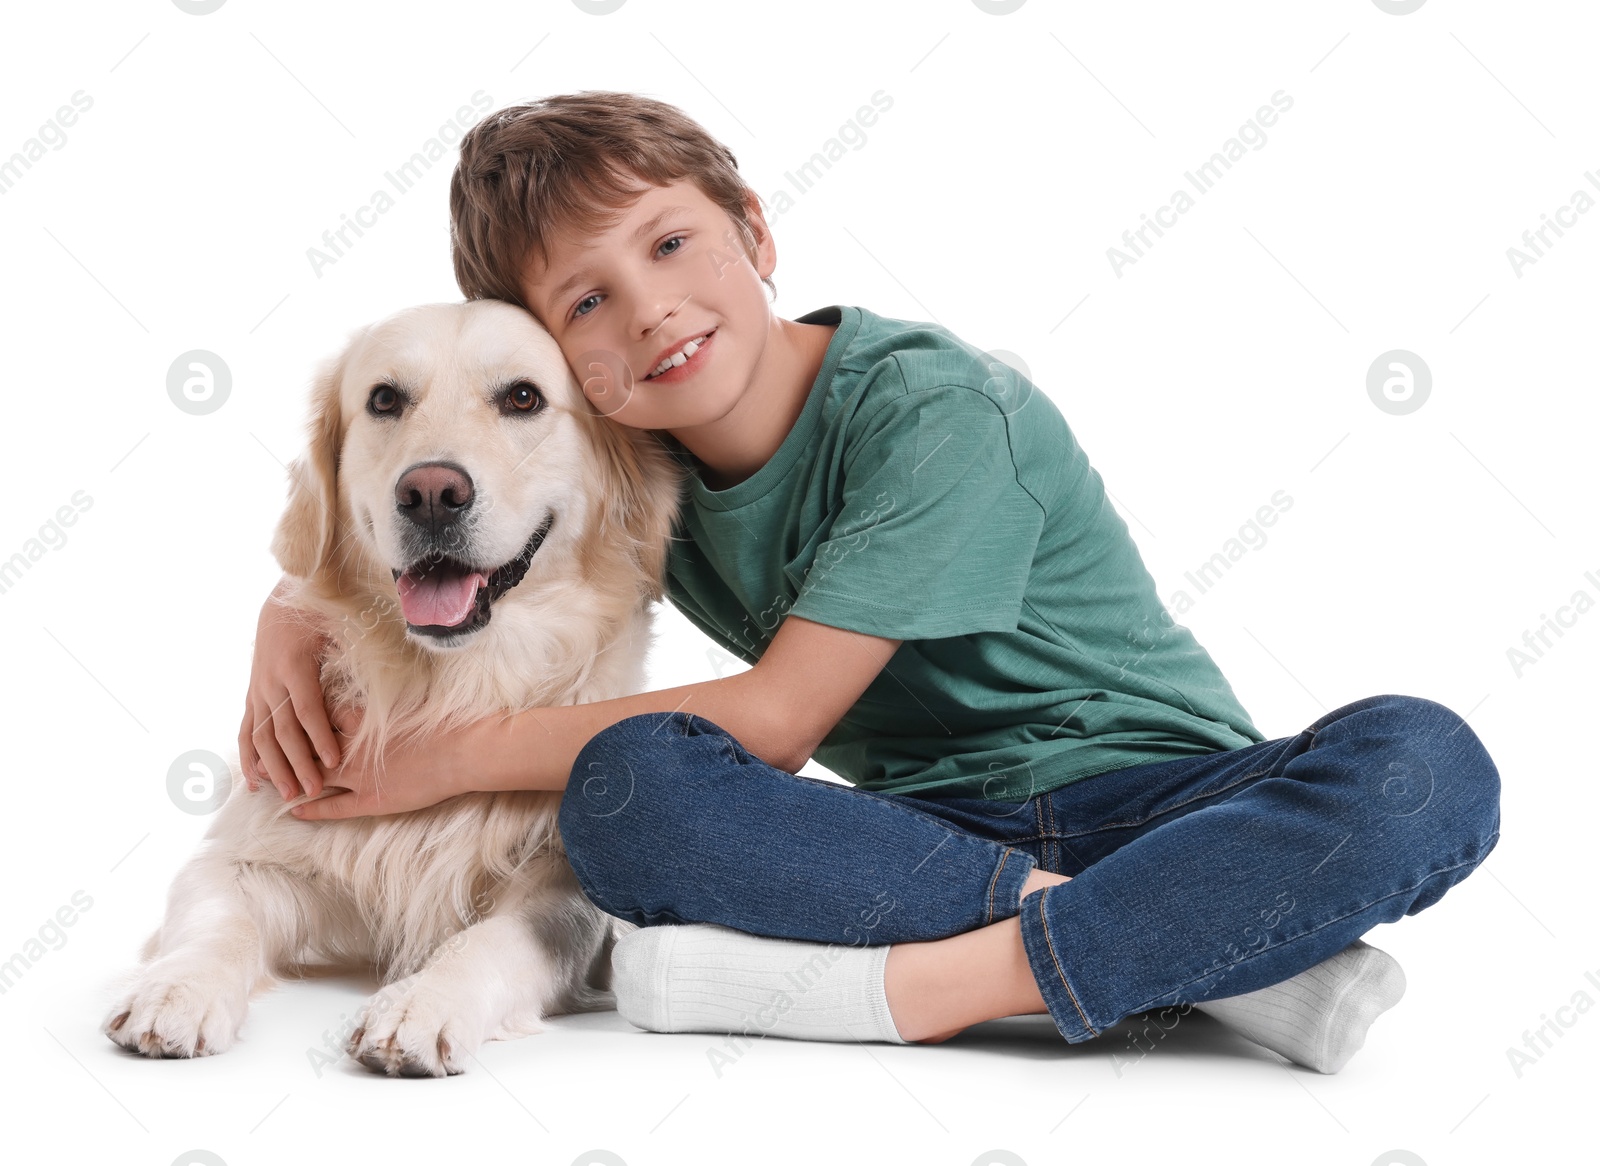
x=531 y=171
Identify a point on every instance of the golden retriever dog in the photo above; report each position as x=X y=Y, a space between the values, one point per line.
x=477 y=539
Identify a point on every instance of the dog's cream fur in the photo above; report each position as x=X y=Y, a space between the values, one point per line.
x=468 y=909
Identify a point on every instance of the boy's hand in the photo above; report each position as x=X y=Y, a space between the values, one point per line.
x=419 y=773
x=285 y=722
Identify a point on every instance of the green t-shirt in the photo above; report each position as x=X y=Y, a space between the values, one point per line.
x=931 y=494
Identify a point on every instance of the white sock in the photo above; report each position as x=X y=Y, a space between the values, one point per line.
x=1320 y=1017
x=700 y=977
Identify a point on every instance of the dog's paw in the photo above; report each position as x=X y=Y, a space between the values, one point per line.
x=414 y=1029
x=173 y=1011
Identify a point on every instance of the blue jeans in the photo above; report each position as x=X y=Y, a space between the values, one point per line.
x=1191 y=879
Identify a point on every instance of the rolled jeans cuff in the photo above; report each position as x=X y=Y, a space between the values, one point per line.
x=1061 y=996
x=1005 y=885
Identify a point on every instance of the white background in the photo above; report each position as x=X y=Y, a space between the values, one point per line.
x=1227 y=363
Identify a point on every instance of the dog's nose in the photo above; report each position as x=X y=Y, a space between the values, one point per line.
x=433 y=494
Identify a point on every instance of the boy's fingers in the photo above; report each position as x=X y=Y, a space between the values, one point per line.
x=298 y=751
x=299 y=764
x=247 y=750
x=336 y=806
x=279 y=772
x=314 y=786
x=313 y=714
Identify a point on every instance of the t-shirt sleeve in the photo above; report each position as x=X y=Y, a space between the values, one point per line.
x=936 y=536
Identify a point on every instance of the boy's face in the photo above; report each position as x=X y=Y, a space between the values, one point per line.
x=671 y=269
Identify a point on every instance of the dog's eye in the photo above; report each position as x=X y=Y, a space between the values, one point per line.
x=383 y=399
x=523 y=397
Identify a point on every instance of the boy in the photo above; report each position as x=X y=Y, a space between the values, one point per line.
x=1060 y=805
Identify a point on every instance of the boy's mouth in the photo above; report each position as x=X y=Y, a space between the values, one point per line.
x=667 y=371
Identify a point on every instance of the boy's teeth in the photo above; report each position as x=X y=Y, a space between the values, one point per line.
x=680 y=357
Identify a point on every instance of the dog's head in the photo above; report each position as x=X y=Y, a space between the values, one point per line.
x=454 y=464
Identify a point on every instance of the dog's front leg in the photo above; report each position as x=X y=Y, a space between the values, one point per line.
x=487 y=978
x=191 y=996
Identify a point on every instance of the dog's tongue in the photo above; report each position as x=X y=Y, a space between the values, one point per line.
x=442 y=598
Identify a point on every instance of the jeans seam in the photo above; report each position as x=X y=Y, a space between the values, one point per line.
x=1431 y=874
x=1040 y=809
x=1049 y=943
x=994 y=881
x=1018 y=839
x=1054 y=846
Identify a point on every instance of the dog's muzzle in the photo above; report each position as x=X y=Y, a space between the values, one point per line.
x=444 y=596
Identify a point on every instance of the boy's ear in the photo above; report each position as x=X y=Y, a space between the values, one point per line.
x=641 y=488
x=309 y=530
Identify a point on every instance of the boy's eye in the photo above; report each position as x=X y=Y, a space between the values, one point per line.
x=577 y=308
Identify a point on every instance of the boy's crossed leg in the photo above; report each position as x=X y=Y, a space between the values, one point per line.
x=688 y=826
x=708 y=978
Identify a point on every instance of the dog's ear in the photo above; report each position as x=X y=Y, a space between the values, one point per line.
x=309 y=530
x=641 y=489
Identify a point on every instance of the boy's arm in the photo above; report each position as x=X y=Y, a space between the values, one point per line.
x=779 y=710
x=285 y=725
